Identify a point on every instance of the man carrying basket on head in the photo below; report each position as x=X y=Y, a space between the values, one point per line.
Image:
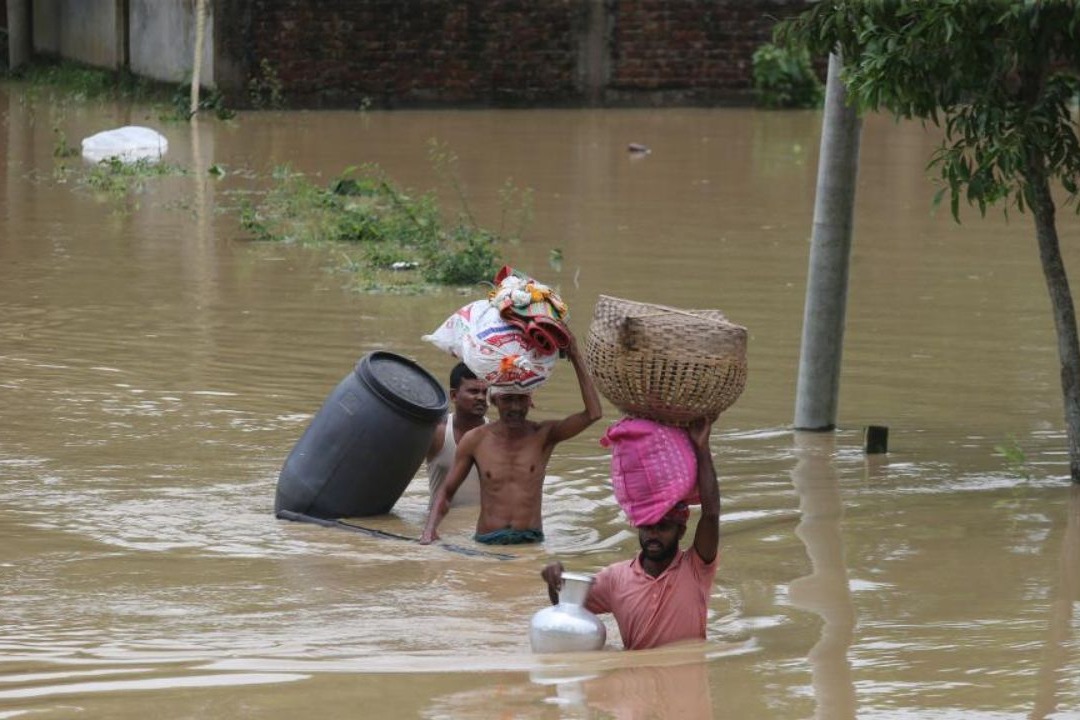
x=662 y=595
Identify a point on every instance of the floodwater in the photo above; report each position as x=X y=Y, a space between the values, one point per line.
x=156 y=367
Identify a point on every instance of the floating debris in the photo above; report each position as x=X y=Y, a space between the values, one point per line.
x=127 y=144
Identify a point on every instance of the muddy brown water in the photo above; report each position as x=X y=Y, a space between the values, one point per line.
x=156 y=368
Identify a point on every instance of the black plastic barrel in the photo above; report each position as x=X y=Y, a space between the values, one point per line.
x=367 y=441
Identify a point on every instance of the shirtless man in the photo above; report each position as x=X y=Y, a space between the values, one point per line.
x=469 y=403
x=512 y=455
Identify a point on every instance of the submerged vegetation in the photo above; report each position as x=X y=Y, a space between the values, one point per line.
x=1016 y=460
x=386 y=237
x=80 y=83
x=76 y=83
x=116 y=178
x=390 y=237
x=784 y=78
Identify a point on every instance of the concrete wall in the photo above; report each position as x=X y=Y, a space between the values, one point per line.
x=46 y=26
x=88 y=31
x=162 y=41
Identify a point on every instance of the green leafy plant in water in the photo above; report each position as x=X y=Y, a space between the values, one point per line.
x=396 y=240
x=516 y=203
x=76 y=83
x=265 y=89
x=62 y=148
x=1015 y=457
x=555 y=259
x=210 y=100
x=445 y=161
x=79 y=83
x=784 y=78
x=471 y=258
x=117 y=178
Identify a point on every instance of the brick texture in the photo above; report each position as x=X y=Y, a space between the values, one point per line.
x=407 y=53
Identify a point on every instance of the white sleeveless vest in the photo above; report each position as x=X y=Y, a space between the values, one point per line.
x=439 y=467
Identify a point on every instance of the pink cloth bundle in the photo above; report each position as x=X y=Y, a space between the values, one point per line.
x=653 y=467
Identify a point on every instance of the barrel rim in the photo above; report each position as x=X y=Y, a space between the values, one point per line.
x=368 y=377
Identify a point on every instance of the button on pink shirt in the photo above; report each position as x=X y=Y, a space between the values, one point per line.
x=656 y=611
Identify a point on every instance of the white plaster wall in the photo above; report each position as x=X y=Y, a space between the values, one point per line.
x=82 y=30
x=162 y=36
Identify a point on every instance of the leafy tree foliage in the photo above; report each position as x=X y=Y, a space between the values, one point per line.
x=784 y=78
x=1000 y=77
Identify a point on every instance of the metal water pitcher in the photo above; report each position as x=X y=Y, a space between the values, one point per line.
x=567 y=626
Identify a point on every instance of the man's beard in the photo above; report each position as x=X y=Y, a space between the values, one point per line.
x=663 y=553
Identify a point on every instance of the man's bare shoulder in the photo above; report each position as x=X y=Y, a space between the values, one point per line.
x=531 y=428
x=545 y=428
x=476 y=434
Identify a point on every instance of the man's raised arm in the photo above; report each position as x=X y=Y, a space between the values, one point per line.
x=707 y=535
x=574 y=424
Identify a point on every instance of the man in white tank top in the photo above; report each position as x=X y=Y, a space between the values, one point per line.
x=468 y=406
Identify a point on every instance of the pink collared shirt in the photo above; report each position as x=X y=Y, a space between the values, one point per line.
x=654 y=611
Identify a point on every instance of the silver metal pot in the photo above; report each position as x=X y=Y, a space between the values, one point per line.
x=568 y=626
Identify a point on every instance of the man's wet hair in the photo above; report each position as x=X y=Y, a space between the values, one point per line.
x=460 y=372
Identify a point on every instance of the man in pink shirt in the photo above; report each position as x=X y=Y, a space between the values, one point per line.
x=662 y=595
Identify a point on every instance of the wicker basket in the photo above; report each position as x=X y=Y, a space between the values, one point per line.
x=669 y=365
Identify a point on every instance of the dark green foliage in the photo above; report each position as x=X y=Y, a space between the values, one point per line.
x=210 y=100
x=265 y=89
x=784 y=78
x=394 y=238
x=117 y=179
x=998 y=75
x=471 y=258
x=80 y=82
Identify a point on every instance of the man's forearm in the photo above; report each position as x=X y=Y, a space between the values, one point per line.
x=707 y=485
x=437 y=512
x=589 y=396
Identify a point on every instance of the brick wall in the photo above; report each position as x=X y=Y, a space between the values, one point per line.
x=399 y=53
x=689 y=51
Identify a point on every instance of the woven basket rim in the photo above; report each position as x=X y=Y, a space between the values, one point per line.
x=660 y=380
x=697 y=314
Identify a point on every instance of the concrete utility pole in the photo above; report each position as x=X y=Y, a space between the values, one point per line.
x=196 y=61
x=830 y=253
x=20 y=39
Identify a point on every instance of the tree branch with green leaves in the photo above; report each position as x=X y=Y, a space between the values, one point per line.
x=1000 y=78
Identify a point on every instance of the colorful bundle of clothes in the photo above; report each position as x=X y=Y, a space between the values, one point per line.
x=511 y=338
x=533 y=307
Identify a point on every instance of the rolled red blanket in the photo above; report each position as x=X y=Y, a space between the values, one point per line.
x=540 y=338
x=552 y=332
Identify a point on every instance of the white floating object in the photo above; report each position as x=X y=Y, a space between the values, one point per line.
x=126 y=144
